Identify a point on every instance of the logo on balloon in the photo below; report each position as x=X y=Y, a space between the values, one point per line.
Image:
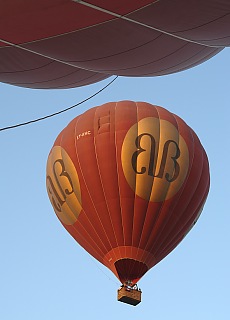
x=63 y=186
x=155 y=159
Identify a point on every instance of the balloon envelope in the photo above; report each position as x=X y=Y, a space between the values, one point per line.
x=63 y=43
x=128 y=181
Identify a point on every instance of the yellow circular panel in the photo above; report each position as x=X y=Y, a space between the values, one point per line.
x=155 y=159
x=63 y=186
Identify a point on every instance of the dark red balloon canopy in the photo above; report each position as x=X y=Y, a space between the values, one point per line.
x=128 y=181
x=67 y=43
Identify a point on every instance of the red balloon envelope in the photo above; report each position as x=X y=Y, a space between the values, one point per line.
x=128 y=181
x=68 y=43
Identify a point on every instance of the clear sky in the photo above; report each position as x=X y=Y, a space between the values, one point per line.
x=45 y=274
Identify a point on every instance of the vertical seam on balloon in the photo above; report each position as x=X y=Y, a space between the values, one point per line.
x=88 y=193
x=200 y=206
x=122 y=275
x=162 y=204
x=156 y=156
x=73 y=225
x=91 y=198
x=147 y=209
x=131 y=266
x=82 y=207
x=61 y=149
x=118 y=178
x=169 y=186
x=103 y=189
x=134 y=200
x=169 y=248
x=187 y=178
x=140 y=236
x=119 y=190
x=201 y=202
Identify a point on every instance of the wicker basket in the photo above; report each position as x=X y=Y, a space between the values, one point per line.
x=129 y=295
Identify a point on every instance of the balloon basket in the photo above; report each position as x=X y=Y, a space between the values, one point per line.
x=129 y=295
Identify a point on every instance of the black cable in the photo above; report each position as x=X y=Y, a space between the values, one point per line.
x=58 y=112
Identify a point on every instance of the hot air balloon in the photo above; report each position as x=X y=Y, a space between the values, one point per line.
x=128 y=180
x=71 y=43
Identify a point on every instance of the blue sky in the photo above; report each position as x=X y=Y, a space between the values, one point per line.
x=45 y=274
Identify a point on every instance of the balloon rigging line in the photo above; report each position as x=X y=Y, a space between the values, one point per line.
x=61 y=111
x=143 y=24
x=97 y=265
x=43 y=55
